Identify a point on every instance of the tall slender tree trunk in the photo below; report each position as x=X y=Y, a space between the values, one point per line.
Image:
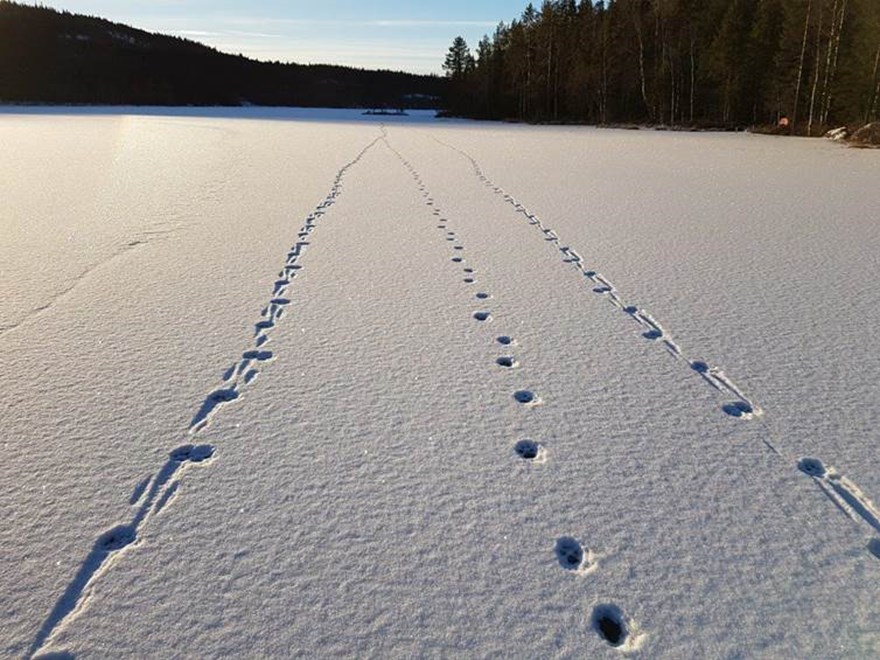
x=527 y=102
x=556 y=87
x=659 y=40
x=872 y=106
x=644 y=84
x=816 y=72
x=693 y=78
x=545 y=92
x=828 y=57
x=797 y=89
x=826 y=110
x=603 y=105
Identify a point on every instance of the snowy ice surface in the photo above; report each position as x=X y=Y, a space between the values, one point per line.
x=301 y=383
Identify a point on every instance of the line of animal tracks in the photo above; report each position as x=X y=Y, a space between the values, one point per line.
x=156 y=492
x=845 y=494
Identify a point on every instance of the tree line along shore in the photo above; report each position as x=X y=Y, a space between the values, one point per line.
x=785 y=66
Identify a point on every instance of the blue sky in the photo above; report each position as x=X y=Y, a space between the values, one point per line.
x=389 y=34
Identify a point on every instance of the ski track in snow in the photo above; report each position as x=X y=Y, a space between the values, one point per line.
x=843 y=492
x=154 y=493
x=615 y=628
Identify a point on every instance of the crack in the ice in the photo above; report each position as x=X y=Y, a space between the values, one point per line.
x=71 y=285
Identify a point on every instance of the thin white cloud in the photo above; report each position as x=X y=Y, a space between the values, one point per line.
x=256 y=35
x=408 y=23
x=225 y=33
x=197 y=33
x=383 y=23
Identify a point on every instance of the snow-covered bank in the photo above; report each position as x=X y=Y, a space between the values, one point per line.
x=363 y=494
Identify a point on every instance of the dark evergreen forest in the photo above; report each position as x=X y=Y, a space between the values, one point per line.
x=713 y=63
x=47 y=56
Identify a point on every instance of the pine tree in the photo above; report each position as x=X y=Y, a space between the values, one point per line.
x=458 y=60
x=709 y=62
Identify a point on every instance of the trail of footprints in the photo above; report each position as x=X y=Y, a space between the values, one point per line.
x=155 y=493
x=845 y=494
x=740 y=405
x=609 y=621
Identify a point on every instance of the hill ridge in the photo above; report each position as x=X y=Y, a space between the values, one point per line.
x=55 y=56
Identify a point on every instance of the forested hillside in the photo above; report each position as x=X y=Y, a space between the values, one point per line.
x=677 y=62
x=47 y=56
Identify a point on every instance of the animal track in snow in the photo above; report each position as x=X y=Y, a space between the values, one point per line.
x=139 y=491
x=526 y=397
x=243 y=374
x=845 y=494
x=613 y=626
x=449 y=234
x=111 y=543
x=212 y=402
x=167 y=497
x=259 y=356
x=117 y=538
x=192 y=453
x=528 y=450
x=229 y=374
x=742 y=409
x=570 y=553
x=651 y=329
x=573 y=556
x=154 y=495
x=609 y=621
x=700 y=367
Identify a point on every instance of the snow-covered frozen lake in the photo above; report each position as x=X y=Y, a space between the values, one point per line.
x=299 y=383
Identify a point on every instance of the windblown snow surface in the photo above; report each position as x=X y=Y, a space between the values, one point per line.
x=286 y=383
